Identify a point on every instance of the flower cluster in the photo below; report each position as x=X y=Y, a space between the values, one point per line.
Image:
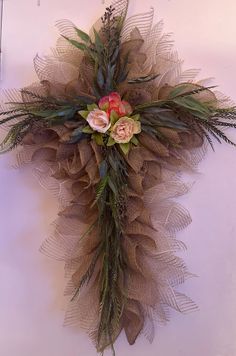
x=111 y=121
x=113 y=102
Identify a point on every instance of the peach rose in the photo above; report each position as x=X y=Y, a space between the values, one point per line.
x=98 y=120
x=124 y=129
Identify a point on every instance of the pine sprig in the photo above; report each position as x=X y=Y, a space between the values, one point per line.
x=183 y=107
x=9 y=112
x=87 y=276
x=15 y=136
x=100 y=189
x=112 y=208
x=221 y=135
x=188 y=92
x=12 y=117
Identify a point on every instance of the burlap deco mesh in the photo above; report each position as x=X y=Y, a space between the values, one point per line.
x=71 y=173
x=153 y=219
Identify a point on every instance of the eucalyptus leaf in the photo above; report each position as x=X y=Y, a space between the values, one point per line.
x=93 y=54
x=110 y=77
x=112 y=186
x=76 y=131
x=114 y=163
x=82 y=35
x=191 y=103
x=98 y=42
x=122 y=76
x=76 y=44
x=179 y=89
x=100 y=78
x=75 y=138
x=184 y=90
x=123 y=71
x=103 y=167
x=157 y=121
x=115 y=55
x=144 y=79
x=51 y=114
x=85 y=99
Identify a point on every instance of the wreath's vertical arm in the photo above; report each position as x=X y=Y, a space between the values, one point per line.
x=112 y=209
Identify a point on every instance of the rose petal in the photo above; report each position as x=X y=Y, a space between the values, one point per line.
x=99 y=120
x=104 y=103
x=122 y=110
x=114 y=104
x=114 y=96
x=127 y=106
x=137 y=127
x=113 y=108
x=124 y=129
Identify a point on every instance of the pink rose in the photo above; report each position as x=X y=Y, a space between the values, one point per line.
x=113 y=102
x=98 y=120
x=124 y=129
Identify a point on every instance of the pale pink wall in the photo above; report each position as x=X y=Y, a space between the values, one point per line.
x=31 y=303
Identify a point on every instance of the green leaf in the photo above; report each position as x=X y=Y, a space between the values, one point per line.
x=135 y=141
x=103 y=169
x=144 y=79
x=113 y=117
x=84 y=113
x=124 y=71
x=185 y=90
x=85 y=99
x=112 y=186
x=136 y=117
x=98 y=42
x=93 y=54
x=98 y=138
x=177 y=90
x=100 y=78
x=91 y=107
x=125 y=147
x=100 y=189
x=87 y=129
x=76 y=44
x=51 y=114
x=77 y=131
x=82 y=35
x=191 y=103
x=114 y=163
x=162 y=117
x=76 y=136
x=111 y=141
x=115 y=55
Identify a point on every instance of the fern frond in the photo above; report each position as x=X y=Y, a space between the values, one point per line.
x=9 y=118
x=100 y=189
x=221 y=135
x=14 y=136
x=9 y=112
x=195 y=91
x=87 y=276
